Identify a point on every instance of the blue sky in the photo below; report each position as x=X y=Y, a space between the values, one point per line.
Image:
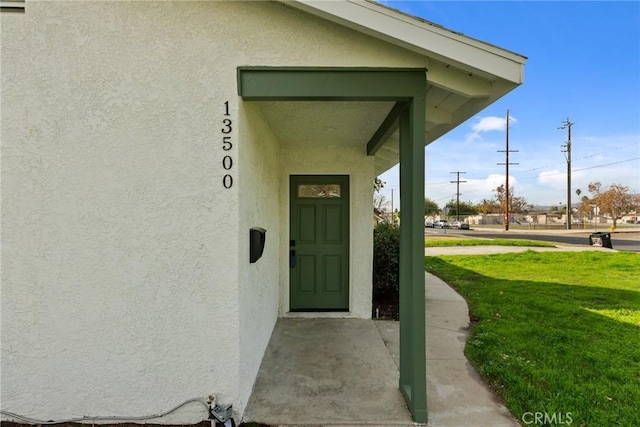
x=584 y=63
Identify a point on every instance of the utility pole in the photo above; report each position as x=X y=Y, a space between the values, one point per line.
x=457 y=181
x=506 y=163
x=566 y=148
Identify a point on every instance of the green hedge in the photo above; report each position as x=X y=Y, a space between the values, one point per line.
x=386 y=263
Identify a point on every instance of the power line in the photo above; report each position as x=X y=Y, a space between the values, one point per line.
x=594 y=167
x=608 y=164
x=450 y=197
x=581 y=158
x=605 y=152
x=545 y=174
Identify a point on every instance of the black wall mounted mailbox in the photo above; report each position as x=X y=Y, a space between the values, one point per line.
x=257 y=237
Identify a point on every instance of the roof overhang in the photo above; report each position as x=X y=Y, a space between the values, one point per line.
x=464 y=75
x=420 y=36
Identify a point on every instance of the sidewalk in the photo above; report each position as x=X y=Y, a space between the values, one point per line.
x=542 y=229
x=456 y=395
x=486 y=250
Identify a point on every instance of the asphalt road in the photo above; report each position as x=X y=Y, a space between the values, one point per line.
x=624 y=241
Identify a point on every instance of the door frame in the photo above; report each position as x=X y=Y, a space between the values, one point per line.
x=344 y=181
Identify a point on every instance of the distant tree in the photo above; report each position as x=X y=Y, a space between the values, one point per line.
x=517 y=204
x=581 y=210
x=614 y=202
x=585 y=207
x=378 y=184
x=635 y=201
x=431 y=208
x=380 y=202
x=489 y=206
x=466 y=208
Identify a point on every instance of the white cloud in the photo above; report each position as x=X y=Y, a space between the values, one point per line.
x=478 y=189
x=471 y=190
x=555 y=179
x=488 y=124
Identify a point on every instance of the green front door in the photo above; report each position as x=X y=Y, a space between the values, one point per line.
x=319 y=243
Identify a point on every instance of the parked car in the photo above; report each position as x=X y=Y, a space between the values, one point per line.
x=428 y=224
x=441 y=224
x=459 y=225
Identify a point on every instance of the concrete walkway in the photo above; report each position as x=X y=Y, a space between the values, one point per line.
x=486 y=250
x=456 y=395
x=341 y=372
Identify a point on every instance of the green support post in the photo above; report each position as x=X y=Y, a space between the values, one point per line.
x=413 y=374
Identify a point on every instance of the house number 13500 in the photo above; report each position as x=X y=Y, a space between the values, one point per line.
x=227 y=160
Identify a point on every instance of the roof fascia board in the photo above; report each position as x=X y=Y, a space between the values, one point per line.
x=418 y=36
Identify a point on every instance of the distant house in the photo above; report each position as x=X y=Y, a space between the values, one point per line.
x=177 y=175
x=485 y=219
x=630 y=218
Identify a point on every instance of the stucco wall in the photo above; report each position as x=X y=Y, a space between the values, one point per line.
x=124 y=287
x=117 y=298
x=258 y=176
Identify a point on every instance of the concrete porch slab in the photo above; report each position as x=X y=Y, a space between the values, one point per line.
x=344 y=372
x=327 y=372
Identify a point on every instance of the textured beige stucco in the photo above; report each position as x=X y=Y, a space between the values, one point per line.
x=258 y=179
x=126 y=287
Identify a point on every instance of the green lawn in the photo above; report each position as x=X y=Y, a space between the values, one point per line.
x=555 y=332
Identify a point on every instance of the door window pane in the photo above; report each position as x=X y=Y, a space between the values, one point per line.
x=319 y=191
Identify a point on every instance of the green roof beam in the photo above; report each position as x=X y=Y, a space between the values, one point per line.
x=387 y=128
x=329 y=84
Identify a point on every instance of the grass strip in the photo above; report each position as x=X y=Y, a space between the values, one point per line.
x=554 y=333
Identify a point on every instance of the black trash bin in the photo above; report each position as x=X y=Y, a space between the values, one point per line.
x=600 y=239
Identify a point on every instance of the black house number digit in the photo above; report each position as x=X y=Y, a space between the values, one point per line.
x=227 y=181
x=226 y=143
x=227 y=126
